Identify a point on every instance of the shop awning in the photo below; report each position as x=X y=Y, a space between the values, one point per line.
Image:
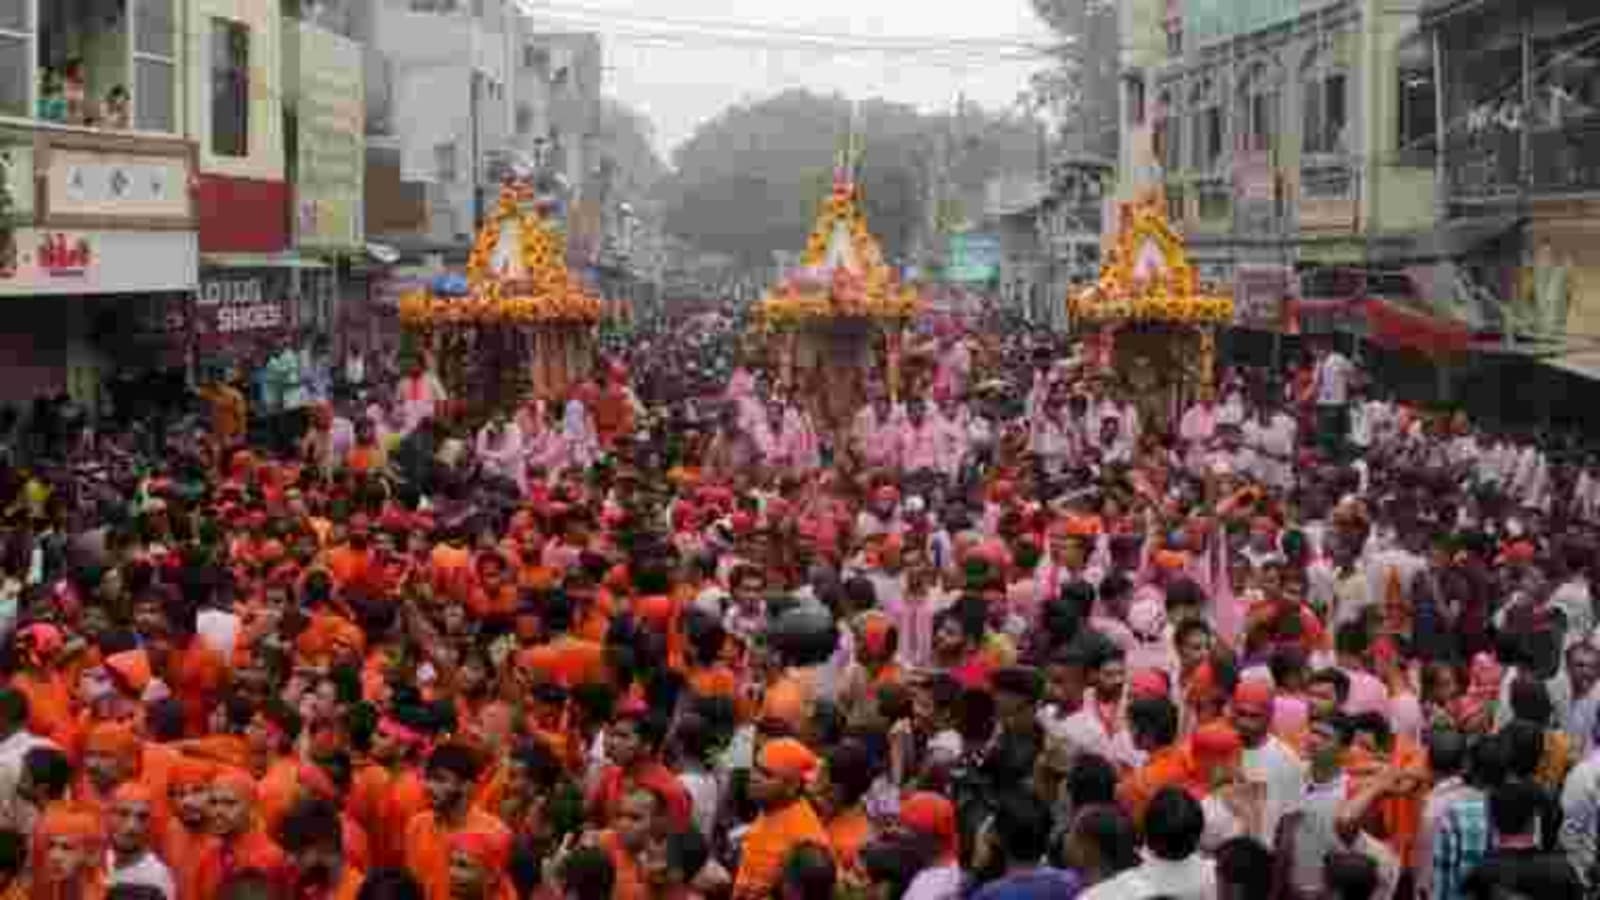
x=1396 y=326
x=261 y=261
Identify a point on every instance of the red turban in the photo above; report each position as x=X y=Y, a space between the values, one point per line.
x=1254 y=697
x=934 y=816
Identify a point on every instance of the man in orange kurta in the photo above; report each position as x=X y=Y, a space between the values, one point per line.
x=241 y=843
x=782 y=774
x=195 y=673
x=72 y=864
x=451 y=773
x=1154 y=723
x=187 y=837
x=387 y=794
x=313 y=840
x=633 y=743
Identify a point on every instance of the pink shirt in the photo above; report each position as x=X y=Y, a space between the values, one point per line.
x=1367 y=693
x=919 y=447
x=1290 y=715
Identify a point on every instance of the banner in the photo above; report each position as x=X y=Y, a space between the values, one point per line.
x=331 y=154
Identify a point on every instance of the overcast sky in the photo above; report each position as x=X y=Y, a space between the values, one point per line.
x=680 y=62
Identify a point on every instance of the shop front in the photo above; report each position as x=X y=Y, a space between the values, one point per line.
x=98 y=257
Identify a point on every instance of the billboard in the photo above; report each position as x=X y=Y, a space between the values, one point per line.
x=331 y=155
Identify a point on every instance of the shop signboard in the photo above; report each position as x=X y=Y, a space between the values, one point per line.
x=331 y=150
x=35 y=261
x=974 y=258
x=93 y=184
x=1259 y=295
x=241 y=305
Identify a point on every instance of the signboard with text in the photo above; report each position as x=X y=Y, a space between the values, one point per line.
x=50 y=261
x=331 y=151
x=241 y=305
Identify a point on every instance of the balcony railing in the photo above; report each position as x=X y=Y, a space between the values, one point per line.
x=1563 y=160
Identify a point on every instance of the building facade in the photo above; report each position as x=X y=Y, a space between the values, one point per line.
x=1520 y=170
x=99 y=213
x=1287 y=136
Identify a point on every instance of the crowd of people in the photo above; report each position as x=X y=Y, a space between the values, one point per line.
x=1013 y=634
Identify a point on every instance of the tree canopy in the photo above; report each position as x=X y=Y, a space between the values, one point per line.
x=748 y=182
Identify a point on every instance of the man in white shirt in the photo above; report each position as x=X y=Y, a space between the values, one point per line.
x=1100 y=727
x=1173 y=866
x=130 y=860
x=1330 y=388
x=16 y=814
x=1266 y=760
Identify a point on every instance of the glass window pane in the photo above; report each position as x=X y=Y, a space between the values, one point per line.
x=15 y=75
x=14 y=15
x=153 y=95
x=154 y=32
x=230 y=88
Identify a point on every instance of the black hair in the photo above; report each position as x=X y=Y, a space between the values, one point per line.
x=1155 y=719
x=13 y=852
x=312 y=823
x=1514 y=807
x=650 y=726
x=1339 y=680
x=1023 y=824
x=1447 y=753
x=1488 y=760
x=1173 y=824
x=1373 y=723
x=1530 y=701
x=1351 y=639
x=390 y=884
x=1184 y=592
x=892 y=863
x=457 y=759
x=809 y=873
x=1091 y=781
x=1524 y=742
x=49 y=770
x=1246 y=864
x=588 y=874
x=13 y=708
x=851 y=770
x=1349 y=876
x=687 y=852
x=1111 y=832
x=1187 y=627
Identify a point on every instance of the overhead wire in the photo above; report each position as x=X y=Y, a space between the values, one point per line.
x=768 y=31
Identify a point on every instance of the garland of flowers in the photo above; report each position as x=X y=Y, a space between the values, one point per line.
x=1174 y=295
x=869 y=291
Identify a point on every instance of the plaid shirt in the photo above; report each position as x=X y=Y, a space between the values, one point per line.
x=1460 y=844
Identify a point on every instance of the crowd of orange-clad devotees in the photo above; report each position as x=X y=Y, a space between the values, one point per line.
x=668 y=640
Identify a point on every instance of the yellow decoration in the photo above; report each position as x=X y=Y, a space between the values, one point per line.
x=1171 y=294
x=865 y=289
x=545 y=294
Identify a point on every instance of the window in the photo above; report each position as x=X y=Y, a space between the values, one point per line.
x=433 y=6
x=1136 y=100
x=1169 y=134
x=1324 y=112
x=16 y=57
x=524 y=119
x=1418 y=132
x=1258 y=110
x=230 y=88
x=535 y=57
x=1204 y=116
x=155 y=66
x=444 y=163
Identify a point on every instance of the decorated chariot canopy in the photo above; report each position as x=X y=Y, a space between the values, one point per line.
x=842 y=276
x=1146 y=277
x=516 y=275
